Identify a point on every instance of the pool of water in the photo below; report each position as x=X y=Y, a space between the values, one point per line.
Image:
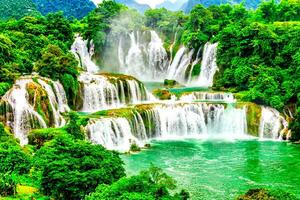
x=223 y=169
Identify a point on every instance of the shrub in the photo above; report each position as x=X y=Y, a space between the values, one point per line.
x=70 y=169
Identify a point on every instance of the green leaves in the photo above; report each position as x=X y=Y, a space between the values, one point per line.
x=70 y=169
x=151 y=184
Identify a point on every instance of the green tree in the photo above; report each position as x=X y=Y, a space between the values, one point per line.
x=150 y=184
x=58 y=65
x=70 y=169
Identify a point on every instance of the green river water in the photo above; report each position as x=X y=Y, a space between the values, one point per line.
x=223 y=169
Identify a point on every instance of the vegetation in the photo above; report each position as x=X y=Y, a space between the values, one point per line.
x=258 y=51
x=264 y=194
x=98 y=23
x=17 y=9
x=70 y=169
x=152 y=184
x=188 y=6
x=14 y=162
x=74 y=8
x=258 y=57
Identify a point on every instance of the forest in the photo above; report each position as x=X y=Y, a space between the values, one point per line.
x=258 y=59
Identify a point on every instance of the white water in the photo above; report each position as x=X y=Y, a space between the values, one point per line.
x=178 y=68
x=112 y=133
x=170 y=121
x=53 y=100
x=25 y=117
x=271 y=124
x=100 y=93
x=80 y=50
x=208 y=66
x=208 y=96
x=146 y=60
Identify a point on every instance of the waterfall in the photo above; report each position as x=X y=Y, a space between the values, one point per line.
x=80 y=50
x=271 y=123
x=25 y=106
x=112 y=133
x=172 y=47
x=208 y=96
x=145 y=59
x=172 y=120
x=53 y=101
x=208 y=66
x=182 y=60
x=61 y=97
x=158 y=58
x=110 y=91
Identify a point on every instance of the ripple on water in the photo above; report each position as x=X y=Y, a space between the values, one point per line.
x=223 y=169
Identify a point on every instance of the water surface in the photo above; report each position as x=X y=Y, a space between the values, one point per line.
x=223 y=169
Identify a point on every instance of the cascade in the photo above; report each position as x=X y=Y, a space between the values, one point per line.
x=182 y=60
x=110 y=91
x=112 y=133
x=142 y=55
x=158 y=58
x=271 y=123
x=172 y=120
x=81 y=52
x=145 y=59
x=208 y=66
x=53 y=101
x=22 y=102
x=208 y=96
x=172 y=47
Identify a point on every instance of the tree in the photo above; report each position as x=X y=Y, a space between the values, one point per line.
x=151 y=184
x=70 y=169
x=58 y=65
x=74 y=125
x=14 y=162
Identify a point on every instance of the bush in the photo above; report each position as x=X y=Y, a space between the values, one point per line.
x=38 y=137
x=135 y=148
x=13 y=159
x=4 y=87
x=70 y=169
x=8 y=184
x=149 y=184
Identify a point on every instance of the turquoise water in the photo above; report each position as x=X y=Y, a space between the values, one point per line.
x=223 y=170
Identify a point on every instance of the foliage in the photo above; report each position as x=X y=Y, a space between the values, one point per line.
x=165 y=21
x=38 y=137
x=70 y=169
x=74 y=125
x=17 y=9
x=74 y=8
x=14 y=162
x=58 y=65
x=150 y=184
x=24 y=42
x=99 y=23
x=134 y=148
x=188 y=6
x=4 y=87
x=13 y=159
x=8 y=184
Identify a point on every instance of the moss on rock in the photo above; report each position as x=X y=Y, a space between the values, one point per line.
x=38 y=98
x=162 y=94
